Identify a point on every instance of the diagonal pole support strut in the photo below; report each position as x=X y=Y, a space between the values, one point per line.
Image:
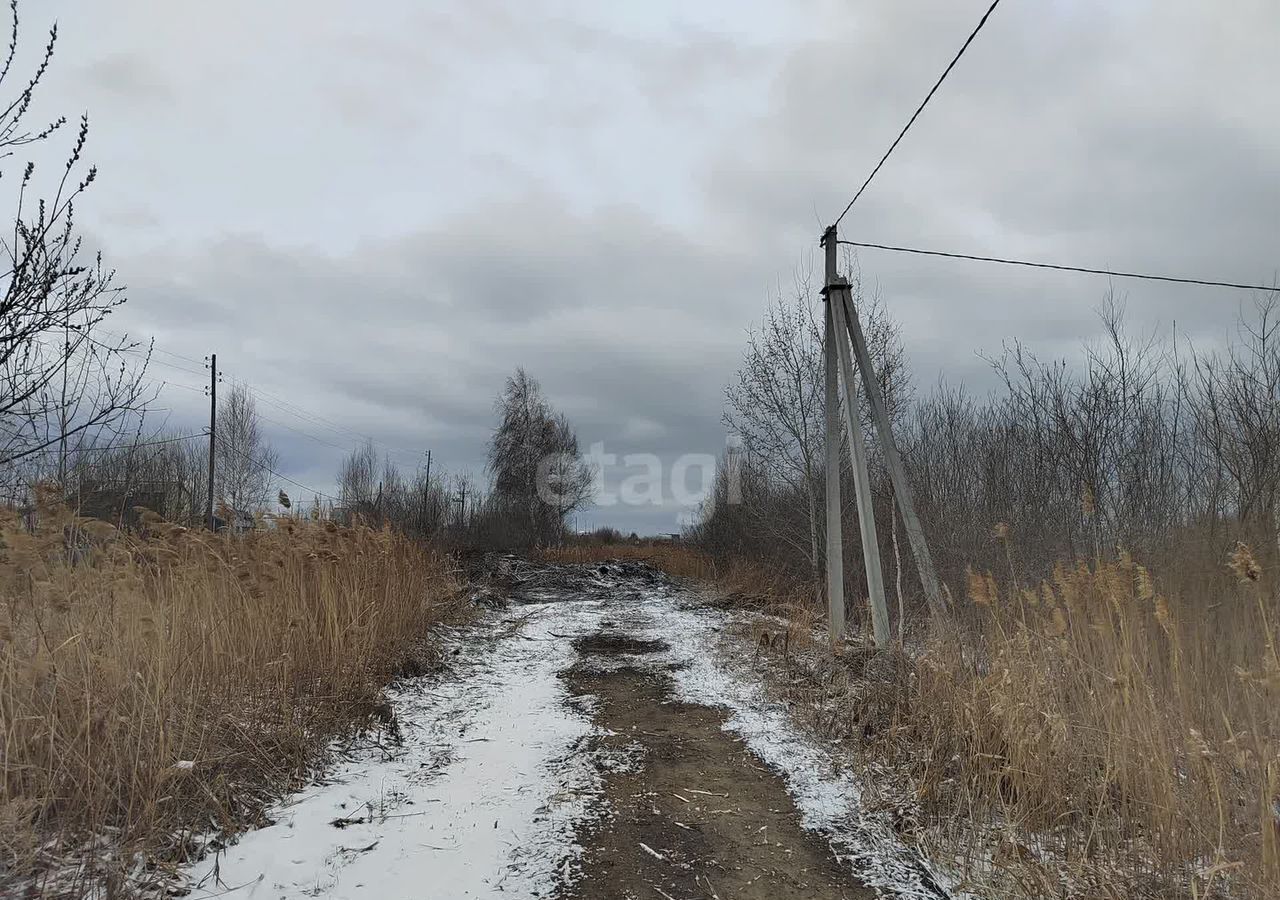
x=837 y=292
x=893 y=462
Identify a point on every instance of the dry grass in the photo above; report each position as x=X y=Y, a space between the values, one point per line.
x=1109 y=732
x=163 y=686
x=1121 y=731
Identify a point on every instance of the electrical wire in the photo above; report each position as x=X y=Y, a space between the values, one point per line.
x=933 y=90
x=264 y=467
x=1064 y=268
x=284 y=405
x=178 y=384
x=297 y=411
x=132 y=446
x=305 y=434
x=316 y=419
x=122 y=336
x=161 y=362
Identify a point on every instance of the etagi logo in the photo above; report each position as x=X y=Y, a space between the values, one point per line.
x=645 y=480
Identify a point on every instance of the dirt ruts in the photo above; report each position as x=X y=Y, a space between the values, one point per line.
x=691 y=812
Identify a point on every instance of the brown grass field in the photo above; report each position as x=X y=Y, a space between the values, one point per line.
x=1114 y=728
x=1106 y=732
x=173 y=684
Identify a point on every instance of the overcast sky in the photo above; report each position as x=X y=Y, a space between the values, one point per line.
x=376 y=211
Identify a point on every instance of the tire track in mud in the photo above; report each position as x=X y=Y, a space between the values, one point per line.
x=695 y=815
x=600 y=734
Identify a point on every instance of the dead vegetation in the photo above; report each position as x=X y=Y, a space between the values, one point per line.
x=157 y=688
x=1108 y=731
x=1095 y=714
x=1105 y=729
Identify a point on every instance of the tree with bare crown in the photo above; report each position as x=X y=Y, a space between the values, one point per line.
x=64 y=381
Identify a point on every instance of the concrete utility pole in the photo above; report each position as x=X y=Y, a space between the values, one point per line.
x=426 y=491
x=213 y=424
x=837 y=299
x=835 y=547
x=893 y=461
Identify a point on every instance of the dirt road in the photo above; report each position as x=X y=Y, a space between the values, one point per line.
x=600 y=733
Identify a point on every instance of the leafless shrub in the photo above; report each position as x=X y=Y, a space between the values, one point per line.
x=1102 y=720
x=62 y=379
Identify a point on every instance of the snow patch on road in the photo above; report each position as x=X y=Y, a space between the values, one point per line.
x=709 y=670
x=481 y=799
x=499 y=767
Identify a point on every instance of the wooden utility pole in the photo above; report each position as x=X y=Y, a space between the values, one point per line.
x=835 y=547
x=213 y=424
x=893 y=461
x=837 y=294
x=462 y=505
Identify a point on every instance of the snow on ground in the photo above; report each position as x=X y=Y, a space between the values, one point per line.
x=826 y=795
x=480 y=801
x=496 y=773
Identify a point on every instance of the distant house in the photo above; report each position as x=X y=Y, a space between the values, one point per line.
x=238 y=521
x=119 y=504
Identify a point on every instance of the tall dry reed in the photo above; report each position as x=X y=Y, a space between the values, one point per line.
x=156 y=687
x=1112 y=730
x=1105 y=732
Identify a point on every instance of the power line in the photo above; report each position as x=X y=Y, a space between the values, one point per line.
x=973 y=34
x=178 y=384
x=123 y=336
x=316 y=419
x=305 y=434
x=146 y=351
x=264 y=467
x=1063 y=268
x=284 y=405
x=190 y=359
x=132 y=446
x=297 y=411
x=161 y=362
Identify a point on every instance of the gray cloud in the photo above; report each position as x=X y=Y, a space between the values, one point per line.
x=127 y=77
x=379 y=216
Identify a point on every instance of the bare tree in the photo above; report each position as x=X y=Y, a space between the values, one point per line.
x=539 y=476
x=1126 y=445
x=1236 y=403
x=775 y=405
x=565 y=481
x=358 y=479
x=243 y=455
x=377 y=491
x=62 y=379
